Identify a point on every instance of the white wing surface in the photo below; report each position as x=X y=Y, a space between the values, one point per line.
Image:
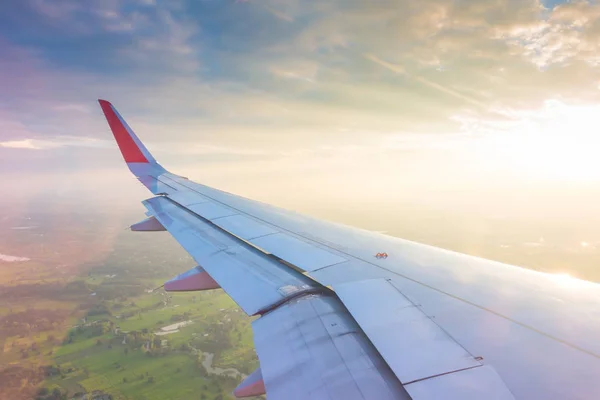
x=338 y=319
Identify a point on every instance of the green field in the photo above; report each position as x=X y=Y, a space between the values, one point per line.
x=118 y=352
x=97 y=331
x=117 y=346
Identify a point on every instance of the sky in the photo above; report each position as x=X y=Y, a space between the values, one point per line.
x=297 y=102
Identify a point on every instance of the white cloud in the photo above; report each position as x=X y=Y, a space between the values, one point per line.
x=19 y=144
x=7 y=258
x=56 y=142
x=69 y=107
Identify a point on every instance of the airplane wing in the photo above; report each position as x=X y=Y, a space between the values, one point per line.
x=347 y=314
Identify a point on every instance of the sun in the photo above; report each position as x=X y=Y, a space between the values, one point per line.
x=558 y=141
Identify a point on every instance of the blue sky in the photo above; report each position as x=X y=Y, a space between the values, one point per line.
x=553 y=3
x=287 y=89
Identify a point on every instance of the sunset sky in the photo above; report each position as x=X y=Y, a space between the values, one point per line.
x=293 y=101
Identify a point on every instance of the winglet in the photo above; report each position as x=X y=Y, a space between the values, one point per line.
x=131 y=147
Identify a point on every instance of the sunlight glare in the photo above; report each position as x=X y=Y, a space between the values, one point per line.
x=565 y=279
x=559 y=141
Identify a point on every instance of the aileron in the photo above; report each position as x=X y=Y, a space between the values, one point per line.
x=413 y=345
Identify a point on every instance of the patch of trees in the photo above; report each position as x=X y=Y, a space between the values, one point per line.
x=218 y=338
x=89 y=330
x=35 y=290
x=95 y=330
x=30 y=321
x=50 y=370
x=116 y=288
x=95 y=395
x=98 y=309
x=74 y=289
x=180 y=317
x=46 y=394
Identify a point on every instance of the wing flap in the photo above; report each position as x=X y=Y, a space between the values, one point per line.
x=425 y=358
x=310 y=348
x=413 y=345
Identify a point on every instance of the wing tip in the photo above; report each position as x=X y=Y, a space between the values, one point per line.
x=131 y=148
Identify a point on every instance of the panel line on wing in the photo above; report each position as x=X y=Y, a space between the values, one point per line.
x=481 y=382
x=442 y=374
x=261 y=236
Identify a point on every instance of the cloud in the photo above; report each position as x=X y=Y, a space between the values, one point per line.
x=20 y=144
x=70 y=107
x=55 y=10
x=399 y=70
x=7 y=258
x=279 y=14
x=54 y=143
x=231 y=76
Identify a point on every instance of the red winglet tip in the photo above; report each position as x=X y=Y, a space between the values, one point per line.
x=131 y=152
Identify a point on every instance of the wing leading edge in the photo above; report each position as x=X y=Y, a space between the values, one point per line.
x=417 y=324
